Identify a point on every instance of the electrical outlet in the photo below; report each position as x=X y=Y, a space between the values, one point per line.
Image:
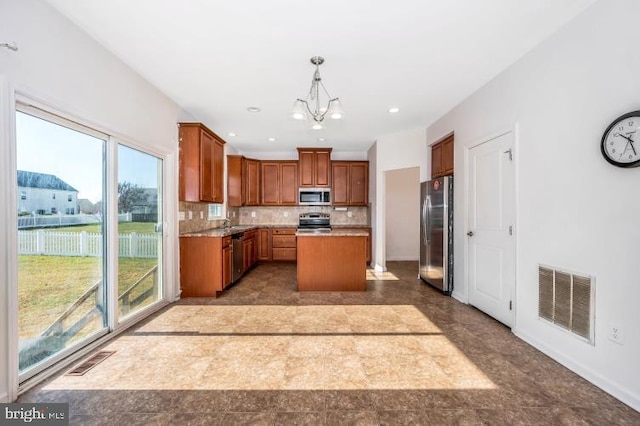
x=190 y=215
x=286 y=214
x=349 y=214
x=201 y=215
x=234 y=213
x=253 y=214
x=616 y=333
x=181 y=216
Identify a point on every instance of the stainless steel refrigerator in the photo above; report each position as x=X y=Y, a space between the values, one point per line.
x=436 y=233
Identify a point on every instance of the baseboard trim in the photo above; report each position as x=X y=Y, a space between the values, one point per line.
x=402 y=259
x=588 y=374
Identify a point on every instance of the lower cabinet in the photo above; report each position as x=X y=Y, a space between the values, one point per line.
x=264 y=245
x=198 y=278
x=368 y=239
x=249 y=249
x=283 y=244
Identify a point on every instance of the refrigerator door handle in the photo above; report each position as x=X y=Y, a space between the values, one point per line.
x=427 y=222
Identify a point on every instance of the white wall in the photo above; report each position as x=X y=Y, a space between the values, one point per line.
x=61 y=66
x=574 y=210
x=402 y=213
x=396 y=151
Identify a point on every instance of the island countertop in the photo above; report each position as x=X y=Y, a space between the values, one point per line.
x=333 y=233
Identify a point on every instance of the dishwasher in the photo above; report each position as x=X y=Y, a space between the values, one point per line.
x=237 y=252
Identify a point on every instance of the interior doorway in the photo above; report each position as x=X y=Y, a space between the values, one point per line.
x=402 y=214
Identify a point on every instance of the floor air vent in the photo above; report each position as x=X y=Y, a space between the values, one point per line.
x=566 y=299
x=87 y=365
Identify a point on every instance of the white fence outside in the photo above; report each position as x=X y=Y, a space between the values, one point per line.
x=55 y=220
x=85 y=244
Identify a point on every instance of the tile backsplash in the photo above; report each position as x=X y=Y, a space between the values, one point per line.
x=257 y=215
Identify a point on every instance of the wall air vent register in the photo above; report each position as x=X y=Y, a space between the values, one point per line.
x=567 y=300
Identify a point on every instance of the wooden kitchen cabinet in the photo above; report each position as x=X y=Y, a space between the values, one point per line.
x=355 y=228
x=249 y=249
x=201 y=164
x=243 y=181
x=264 y=245
x=279 y=183
x=283 y=244
x=442 y=158
x=350 y=183
x=204 y=279
x=314 y=167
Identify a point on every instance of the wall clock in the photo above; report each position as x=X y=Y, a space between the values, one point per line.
x=620 y=144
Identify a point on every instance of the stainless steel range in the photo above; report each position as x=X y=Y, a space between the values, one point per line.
x=314 y=222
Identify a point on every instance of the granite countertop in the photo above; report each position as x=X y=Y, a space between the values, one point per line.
x=220 y=232
x=236 y=229
x=333 y=233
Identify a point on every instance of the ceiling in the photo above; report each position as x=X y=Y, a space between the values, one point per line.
x=217 y=58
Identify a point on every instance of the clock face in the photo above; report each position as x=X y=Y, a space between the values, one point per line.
x=621 y=141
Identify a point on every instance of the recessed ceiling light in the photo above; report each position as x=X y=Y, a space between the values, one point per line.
x=253 y=109
x=271 y=139
x=317 y=126
x=394 y=110
x=321 y=139
x=231 y=134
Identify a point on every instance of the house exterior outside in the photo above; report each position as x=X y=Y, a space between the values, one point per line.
x=45 y=194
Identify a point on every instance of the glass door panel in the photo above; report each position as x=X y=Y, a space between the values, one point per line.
x=139 y=230
x=61 y=239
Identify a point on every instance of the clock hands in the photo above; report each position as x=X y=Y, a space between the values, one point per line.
x=630 y=142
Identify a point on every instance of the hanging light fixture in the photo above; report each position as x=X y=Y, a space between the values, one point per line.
x=312 y=106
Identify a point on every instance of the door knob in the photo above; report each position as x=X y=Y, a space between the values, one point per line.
x=470 y=233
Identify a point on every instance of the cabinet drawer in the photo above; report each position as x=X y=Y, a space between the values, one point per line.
x=287 y=241
x=284 y=254
x=226 y=241
x=284 y=231
x=250 y=234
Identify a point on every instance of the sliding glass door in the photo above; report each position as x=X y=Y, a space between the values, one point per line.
x=81 y=270
x=139 y=230
x=61 y=238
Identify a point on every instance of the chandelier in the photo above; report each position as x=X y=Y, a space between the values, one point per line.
x=312 y=106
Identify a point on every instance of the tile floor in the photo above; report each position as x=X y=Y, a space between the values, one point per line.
x=399 y=353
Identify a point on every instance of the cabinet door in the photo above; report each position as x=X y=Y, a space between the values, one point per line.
x=226 y=266
x=252 y=182
x=264 y=244
x=447 y=156
x=206 y=167
x=270 y=183
x=340 y=183
x=359 y=184
x=235 y=189
x=289 y=183
x=436 y=160
x=306 y=165
x=323 y=168
x=218 y=171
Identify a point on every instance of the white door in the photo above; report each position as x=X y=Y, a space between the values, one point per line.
x=491 y=227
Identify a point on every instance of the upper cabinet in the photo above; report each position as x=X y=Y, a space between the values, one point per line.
x=442 y=158
x=350 y=185
x=314 y=167
x=279 y=183
x=201 y=164
x=243 y=181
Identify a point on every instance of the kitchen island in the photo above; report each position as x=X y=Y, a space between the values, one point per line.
x=332 y=261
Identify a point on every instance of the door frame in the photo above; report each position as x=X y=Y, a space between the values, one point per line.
x=465 y=222
x=11 y=93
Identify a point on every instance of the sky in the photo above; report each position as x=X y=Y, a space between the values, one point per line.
x=76 y=157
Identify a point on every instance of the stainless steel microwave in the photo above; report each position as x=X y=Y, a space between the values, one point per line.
x=314 y=196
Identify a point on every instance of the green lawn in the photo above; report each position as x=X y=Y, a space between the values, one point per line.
x=47 y=285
